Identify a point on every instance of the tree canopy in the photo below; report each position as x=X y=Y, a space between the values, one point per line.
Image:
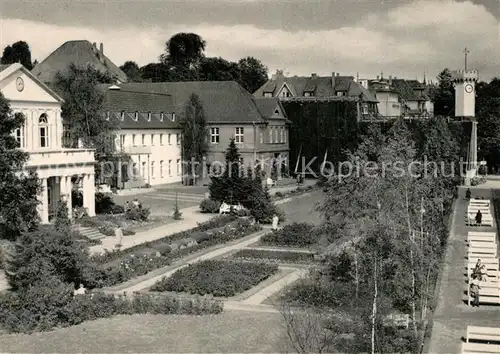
x=18 y=194
x=443 y=95
x=132 y=70
x=18 y=52
x=184 y=49
x=488 y=129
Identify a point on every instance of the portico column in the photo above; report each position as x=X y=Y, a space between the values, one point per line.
x=65 y=189
x=43 y=207
x=89 y=193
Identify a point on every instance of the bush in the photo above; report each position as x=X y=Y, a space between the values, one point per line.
x=283 y=256
x=210 y=206
x=477 y=181
x=137 y=214
x=293 y=235
x=128 y=232
x=218 y=278
x=177 y=214
x=108 y=230
x=52 y=304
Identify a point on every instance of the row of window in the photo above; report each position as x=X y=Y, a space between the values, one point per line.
x=277 y=134
x=43 y=133
x=162 y=168
x=153 y=138
x=306 y=94
x=136 y=116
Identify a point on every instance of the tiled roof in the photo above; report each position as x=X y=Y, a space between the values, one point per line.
x=149 y=108
x=320 y=85
x=406 y=89
x=223 y=101
x=267 y=106
x=81 y=53
x=3 y=67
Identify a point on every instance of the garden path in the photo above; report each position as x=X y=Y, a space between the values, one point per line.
x=191 y=217
x=452 y=315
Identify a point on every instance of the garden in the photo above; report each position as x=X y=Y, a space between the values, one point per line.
x=296 y=235
x=219 y=278
x=275 y=256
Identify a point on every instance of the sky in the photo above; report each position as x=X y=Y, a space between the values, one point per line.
x=402 y=38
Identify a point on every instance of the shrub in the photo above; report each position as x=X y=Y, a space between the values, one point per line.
x=137 y=214
x=218 y=278
x=62 y=221
x=177 y=214
x=107 y=230
x=117 y=209
x=47 y=252
x=477 y=181
x=284 y=256
x=278 y=195
x=127 y=232
x=209 y=206
x=293 y=235
x=52 y=304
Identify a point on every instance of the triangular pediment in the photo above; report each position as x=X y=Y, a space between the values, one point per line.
x=278 y=112
x=18 y=84
x=285 y=87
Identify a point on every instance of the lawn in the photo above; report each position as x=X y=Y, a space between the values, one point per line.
x=229 y=332
x=216 y=277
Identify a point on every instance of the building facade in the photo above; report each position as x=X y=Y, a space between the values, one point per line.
x=58 y=168
x=259 y=126
x=148 y=140
x=321 y=87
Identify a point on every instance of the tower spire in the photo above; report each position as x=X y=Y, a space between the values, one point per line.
x=466 y=51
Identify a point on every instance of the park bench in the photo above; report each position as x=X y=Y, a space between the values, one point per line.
x=492 y=235
x=486 y=334
x=486 y=220
x=487 y=241
x=481 y=251
x=487 y=295
x=480 y=348
x=479 y=201
x=489 y=262
x=493 y=275
x=475 y=208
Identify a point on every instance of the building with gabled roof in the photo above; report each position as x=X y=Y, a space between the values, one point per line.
x=259 y=126
x=58 y=168
x=148 y=137
x=82 y=53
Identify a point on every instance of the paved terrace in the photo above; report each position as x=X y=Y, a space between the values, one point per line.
x=452 y=315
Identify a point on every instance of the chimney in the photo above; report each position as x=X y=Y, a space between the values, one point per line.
x=378 y=77
x=94 y=44
x=333 y=79
x=101 y=48
x=390 y=79
x=313 y=75
x=338 y=74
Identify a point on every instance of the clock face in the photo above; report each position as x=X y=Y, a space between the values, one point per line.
x=20 y=84
x=469 y=88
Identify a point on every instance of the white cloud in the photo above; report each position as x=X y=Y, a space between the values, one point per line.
x=411 y=38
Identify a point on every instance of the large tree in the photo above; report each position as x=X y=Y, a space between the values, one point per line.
x=194 y=136
x=218 y=69
x=18 y=52
x=253 y=74
x=18 y=193
x=184 y=49
x=443 y=95
x=82 y=111
x=487 y=113
x=132 y=70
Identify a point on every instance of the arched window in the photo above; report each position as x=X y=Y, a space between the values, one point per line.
x=44 y=130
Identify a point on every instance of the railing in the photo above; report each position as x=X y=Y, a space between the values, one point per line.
x=61 y=157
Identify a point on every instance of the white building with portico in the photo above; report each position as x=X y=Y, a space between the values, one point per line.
x=41 y=137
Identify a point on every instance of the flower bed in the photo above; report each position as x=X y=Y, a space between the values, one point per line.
x=293 y=235
x=279 y=256
x=118 y=267
x=215 y=277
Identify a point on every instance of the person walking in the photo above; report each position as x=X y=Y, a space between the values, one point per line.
x=479 y=218
x=118 y=237
x=474 y=291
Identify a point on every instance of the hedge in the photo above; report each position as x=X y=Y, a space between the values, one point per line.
x=43 y=308
x=215 y=277
x=282 y=256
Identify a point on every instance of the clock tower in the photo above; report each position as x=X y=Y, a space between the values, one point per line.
x=464 y=82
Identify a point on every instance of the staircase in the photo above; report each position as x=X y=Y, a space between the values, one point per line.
x=89 y=232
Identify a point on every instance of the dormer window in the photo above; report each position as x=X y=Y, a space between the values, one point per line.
x=136 y=116
x=122 y=116
x=107 y=115
x=173 y=116
x=149 y=116
x=268 y=94
x=276 y=112
x=308 y=94
x=161 y=116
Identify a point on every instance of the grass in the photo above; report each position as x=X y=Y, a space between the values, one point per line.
x=229 y=332
x=280 y=256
